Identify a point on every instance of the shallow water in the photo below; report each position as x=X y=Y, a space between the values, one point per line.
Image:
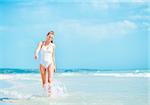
x=76 y=89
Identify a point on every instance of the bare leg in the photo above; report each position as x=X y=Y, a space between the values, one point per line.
x=50 y=77
x=43 y=75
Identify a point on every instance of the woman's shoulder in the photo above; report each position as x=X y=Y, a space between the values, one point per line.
x=53 y=45
x=41 y=43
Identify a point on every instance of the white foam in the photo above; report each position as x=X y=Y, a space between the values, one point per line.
x=13 y=94
x=5 y=76
x=38 y=78
x=57 y=88
x=136 y=74
x=123 y=74
x=19 y=76
x=70 y=74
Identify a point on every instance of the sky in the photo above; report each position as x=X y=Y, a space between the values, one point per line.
x=106 y=34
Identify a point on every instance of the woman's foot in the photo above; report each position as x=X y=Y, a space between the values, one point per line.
x=49 y=89
x=44 y=87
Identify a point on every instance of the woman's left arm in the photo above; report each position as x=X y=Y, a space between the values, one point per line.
x=53 y=58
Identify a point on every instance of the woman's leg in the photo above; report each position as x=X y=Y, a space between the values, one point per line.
x=43 y=75
x=50 y=77
x=50 y=73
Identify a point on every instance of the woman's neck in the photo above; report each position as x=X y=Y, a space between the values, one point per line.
x=47 y=42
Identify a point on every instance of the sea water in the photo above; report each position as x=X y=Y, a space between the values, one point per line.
x=84 y=87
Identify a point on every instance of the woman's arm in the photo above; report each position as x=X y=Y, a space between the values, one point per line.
x=53 y=58
x=37 y=50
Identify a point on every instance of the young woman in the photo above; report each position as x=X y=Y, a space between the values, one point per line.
x=47 y=61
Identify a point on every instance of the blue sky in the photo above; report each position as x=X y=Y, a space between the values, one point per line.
x=90 y=34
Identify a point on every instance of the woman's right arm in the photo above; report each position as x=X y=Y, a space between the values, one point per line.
x=37 y=50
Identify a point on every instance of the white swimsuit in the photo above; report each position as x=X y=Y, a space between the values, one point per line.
x=46 y=55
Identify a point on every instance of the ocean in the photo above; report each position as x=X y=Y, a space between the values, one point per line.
x=75 y=87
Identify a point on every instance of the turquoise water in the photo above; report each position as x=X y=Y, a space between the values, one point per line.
x=76 y=88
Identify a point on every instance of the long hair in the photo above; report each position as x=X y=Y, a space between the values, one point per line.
x=51 y=32
x=52 y=41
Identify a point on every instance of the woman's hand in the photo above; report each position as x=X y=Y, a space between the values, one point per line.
x=36 y=57
x=54 y=67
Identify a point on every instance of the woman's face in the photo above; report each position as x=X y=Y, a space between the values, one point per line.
x=50 y=36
